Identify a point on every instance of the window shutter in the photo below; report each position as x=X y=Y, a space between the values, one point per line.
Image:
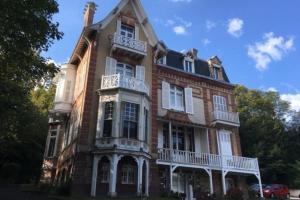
x=136 y=31
x=110 y=67
x=118 y=26
x=140 y=72
x=165 y=101
x=188 y=94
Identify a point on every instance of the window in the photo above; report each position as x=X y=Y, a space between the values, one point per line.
x=127 y=31
x=178 y=138
x=146 y=124
x=188 y=66
x=52 y=142
x=166 y=135
x=125 y=70
x=104 y=172
x=130 y=120
x=178 y=183
x=128 y=174
x=219 y=103
x=108 y=119
x=190 y=134
x=176 y=98
x=162 y=60
x=215 y=73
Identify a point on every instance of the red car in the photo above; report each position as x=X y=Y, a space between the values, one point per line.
x=276 y=191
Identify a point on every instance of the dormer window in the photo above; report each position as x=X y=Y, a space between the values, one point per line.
x=188 y=65
x=162 y=60
x=127 y=31
x=215 y=73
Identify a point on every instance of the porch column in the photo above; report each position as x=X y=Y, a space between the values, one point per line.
x=260 y=185
x=147 y=179
x=211 y=186
x=94 y=175
x=223 y=182
x=113 y=175
x=140 y=162
x=171 y=154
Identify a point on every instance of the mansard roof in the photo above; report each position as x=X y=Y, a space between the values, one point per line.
x=174 y=59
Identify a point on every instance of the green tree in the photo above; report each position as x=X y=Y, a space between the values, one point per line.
x=262 y=131
x=26 y=31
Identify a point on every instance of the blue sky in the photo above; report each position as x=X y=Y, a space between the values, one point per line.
x=258 y=41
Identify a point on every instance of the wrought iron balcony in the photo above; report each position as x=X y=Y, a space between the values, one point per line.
x=205 y=160
x=122 y=143
x=229 y=118
x=128 y=45
x=119 y=81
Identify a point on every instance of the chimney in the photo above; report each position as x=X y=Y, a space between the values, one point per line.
x=88 y=14
x=193 y=53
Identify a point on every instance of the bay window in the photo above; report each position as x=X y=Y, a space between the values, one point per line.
x=108 y=119
x=52 y=142
x=130 y=120
x=127 y=31
x=125 y=70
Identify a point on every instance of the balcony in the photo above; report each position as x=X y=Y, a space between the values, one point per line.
x=122 y=143
x=129 y=46
x=227 y=118
x=205 y=160
x=119 y=81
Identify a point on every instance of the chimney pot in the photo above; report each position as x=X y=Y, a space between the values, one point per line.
x=89 y=12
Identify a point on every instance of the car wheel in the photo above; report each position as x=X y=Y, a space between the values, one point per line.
x=272 y=196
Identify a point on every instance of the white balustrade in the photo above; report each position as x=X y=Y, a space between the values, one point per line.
x=120 y=81
x=208 y=160
x=230 y=117
x=130 y=43
x=122 y=143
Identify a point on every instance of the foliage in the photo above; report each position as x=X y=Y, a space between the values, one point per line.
x=267 y=134
x=26 y=30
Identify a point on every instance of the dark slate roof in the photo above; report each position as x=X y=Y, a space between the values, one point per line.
x=175 y=59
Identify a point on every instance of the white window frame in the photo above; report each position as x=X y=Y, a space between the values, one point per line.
x=128 y=174
x=162 y=60
x=177 y=183
x=129 y=117
x=50 y=136
x=220 y=103
x=191 y=68
x=124 y=30
x=124 y=68
x=177 y=92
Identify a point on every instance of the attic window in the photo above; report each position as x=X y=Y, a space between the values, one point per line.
x=215 y=71
x=162 y=60
x=188 y=65
x=127 y=31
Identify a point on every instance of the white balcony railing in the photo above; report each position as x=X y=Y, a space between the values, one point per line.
x=130 y=43
x=230 y=117
x=119 y=81
x=233 y=163
x=122 y=143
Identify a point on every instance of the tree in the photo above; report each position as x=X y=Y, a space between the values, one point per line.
x=262 y=131
x=26 y=31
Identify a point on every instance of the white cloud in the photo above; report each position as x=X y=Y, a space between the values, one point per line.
x=235 y=26
x=294 y=99
x=187 y=24
x=271 y=49
x=210 y=25
x=170 y=22
x=206 y=42
x=179 y=30
x=272 y=89
x=176 y=1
